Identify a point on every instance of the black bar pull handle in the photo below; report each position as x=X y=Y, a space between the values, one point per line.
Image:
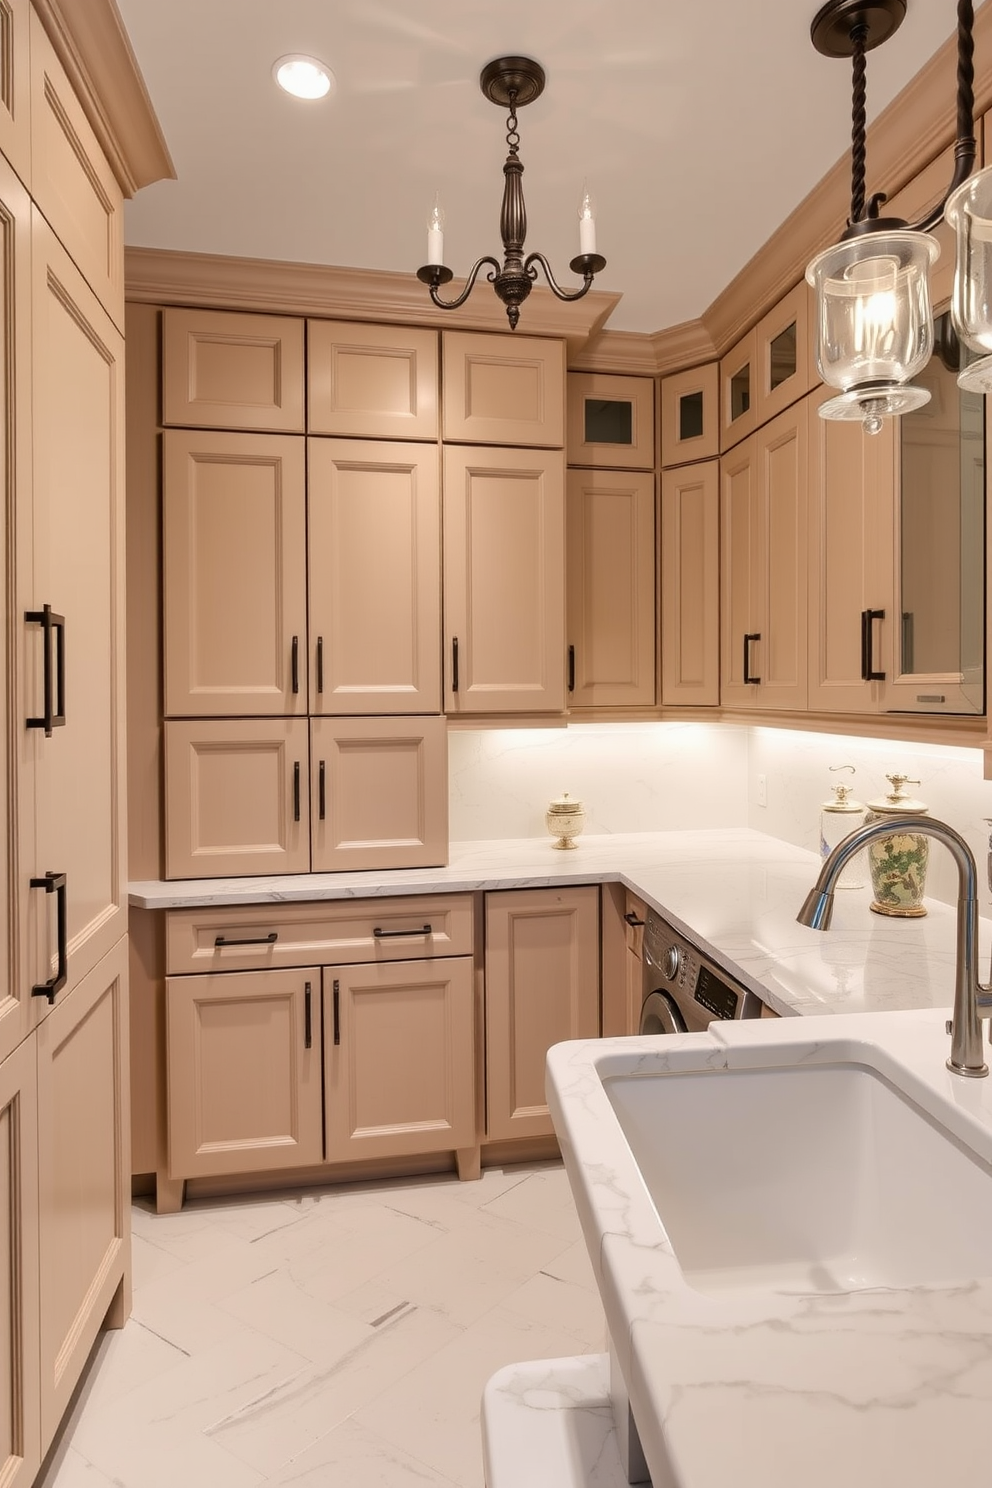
x=55 y=883
x=864 y=645
x=296 y=663
x=632 y=919
x=322 y=790
x=296 y=791
x=868 y=672
x=571 y=668
x=220 y=941
x=54 y=684
x=320 y=663
x=754 y=636
x=454 y=664
x=308 y=1016
x=408 y=934
x=337 y=1012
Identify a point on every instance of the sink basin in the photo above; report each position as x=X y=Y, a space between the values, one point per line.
x=813 y=1180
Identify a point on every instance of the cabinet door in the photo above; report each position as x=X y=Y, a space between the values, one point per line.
x=690 y=416
x=611 y=421
x=234 y=582
x=84 y=1175
x=375 y=577
x=851 y=562
x=399 y=1058
x=738 y=389
x=20 y=1407
x=690 y=585
x=781 y=473
x=379 y=793
x=221 y=370
x=504 y=389
x=504 y=561
x=782 y=357
x=243 y=1072
x=15 y=86
x=611 y=569
x=542 y=986
x=236 y=797
x=740 y=627
x=372 y=381
x=78 y=569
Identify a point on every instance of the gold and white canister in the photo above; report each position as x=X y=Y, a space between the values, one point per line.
x=565 y=819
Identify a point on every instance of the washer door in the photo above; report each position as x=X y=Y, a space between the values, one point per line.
x=660 y=1014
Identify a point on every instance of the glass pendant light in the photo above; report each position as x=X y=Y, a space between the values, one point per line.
x=969 y=213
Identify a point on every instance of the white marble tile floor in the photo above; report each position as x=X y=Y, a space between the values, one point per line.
x=332 y=1338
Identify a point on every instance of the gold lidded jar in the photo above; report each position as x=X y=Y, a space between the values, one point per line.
x=565 y=819
x=898 y=863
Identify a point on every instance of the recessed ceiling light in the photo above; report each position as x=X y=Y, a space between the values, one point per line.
x=304 y=77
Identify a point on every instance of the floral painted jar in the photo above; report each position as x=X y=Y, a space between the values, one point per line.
x=898 y=863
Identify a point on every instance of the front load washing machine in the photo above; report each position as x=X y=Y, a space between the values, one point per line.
x=683 y=990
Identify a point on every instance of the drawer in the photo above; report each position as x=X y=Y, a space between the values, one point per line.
x=326 y=933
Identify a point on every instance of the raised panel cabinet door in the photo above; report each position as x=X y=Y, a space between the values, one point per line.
x=851 y=562
x=375 y=577
x=542 y=986
x=690 y=585
x=504 y=570
x=234 y=573
x=372 y=381
x=71 y=179
x=610 y=421
x=243 y=1062
x=77 y=524
x=690 y=415
x=741 y=622
x=782 y=360
x=503 y=389
x=236 y=797
x=84 y=1175
x=609 y=524
x=379 y=793
x=20 y=1399
x=15 y=85
x=781 y=467
x=399 y=1058
x=224 y=370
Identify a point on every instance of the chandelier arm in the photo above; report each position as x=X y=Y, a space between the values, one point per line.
x=859 y=121
x=965 y=148
x=562 y=294
x=469 y=285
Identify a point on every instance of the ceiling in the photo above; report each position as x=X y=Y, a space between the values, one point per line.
x=697 y=127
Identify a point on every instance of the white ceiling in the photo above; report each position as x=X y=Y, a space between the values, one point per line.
x=698 y=127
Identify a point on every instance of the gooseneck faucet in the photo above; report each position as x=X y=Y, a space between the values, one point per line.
x=972 y=999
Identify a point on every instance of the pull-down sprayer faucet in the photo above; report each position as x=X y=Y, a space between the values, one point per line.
x=972 y=999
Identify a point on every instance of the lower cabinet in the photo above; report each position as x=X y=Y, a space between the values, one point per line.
x=542 y=986
x=20 y=1379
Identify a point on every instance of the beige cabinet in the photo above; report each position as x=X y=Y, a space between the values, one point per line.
x=782 y=354
x=244 y=1072
x=851 y=564
x=542 y=986
x=237 y=796
x=690 y=585
x=738 y=382
x=504 y=561
x=503 y=389
x=610 y=569
x=379 y=793
x=610 y=421
x=372 y=381
x=764 y=553
x=690 y=415
x=84 y=1176
x=15 y=86
x=224 y=370
x=234 y=573
x=399 y=1058
x=375 y=577
x=20 y=1379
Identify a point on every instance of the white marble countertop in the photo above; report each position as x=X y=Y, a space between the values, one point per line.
x=884 y=1384
x=736 y=890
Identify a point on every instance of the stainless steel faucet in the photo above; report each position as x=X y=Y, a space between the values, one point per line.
x=972 y=999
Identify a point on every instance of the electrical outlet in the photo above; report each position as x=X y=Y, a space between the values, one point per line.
x=761 y=790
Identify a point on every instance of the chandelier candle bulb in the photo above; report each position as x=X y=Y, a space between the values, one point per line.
x=587 y=225
x=435 y=236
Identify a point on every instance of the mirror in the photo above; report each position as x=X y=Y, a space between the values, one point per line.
x=942 y=539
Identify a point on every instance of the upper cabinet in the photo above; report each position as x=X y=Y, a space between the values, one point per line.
x=737 y=391
x=503 y=389
x=221 y=370
x=15 y=86
x=611 y=421
x=769 y=368
x=690 y=415
x=372 y=381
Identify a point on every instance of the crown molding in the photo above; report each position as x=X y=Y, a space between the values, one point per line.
x=91 y=43
x=166 y=277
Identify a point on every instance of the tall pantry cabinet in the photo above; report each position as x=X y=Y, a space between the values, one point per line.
x=64 y=1129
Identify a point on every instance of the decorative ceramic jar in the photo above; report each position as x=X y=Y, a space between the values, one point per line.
x=839 y=817
x=565 y=820
x=898 y=863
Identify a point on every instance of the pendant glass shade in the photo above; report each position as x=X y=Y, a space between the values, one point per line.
x=969 y=213
x=874 y=329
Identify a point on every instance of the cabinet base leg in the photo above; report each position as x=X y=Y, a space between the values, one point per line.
x=469 y=1160
x=120 y=1307
x=169 y=1193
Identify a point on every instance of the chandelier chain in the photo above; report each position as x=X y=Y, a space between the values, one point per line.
x=859 y=121
x=966 y=70
x=512 y=133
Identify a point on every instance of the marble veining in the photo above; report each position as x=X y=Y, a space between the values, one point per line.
x=550 y=1422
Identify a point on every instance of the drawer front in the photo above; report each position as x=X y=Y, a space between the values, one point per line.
x=334 y=933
